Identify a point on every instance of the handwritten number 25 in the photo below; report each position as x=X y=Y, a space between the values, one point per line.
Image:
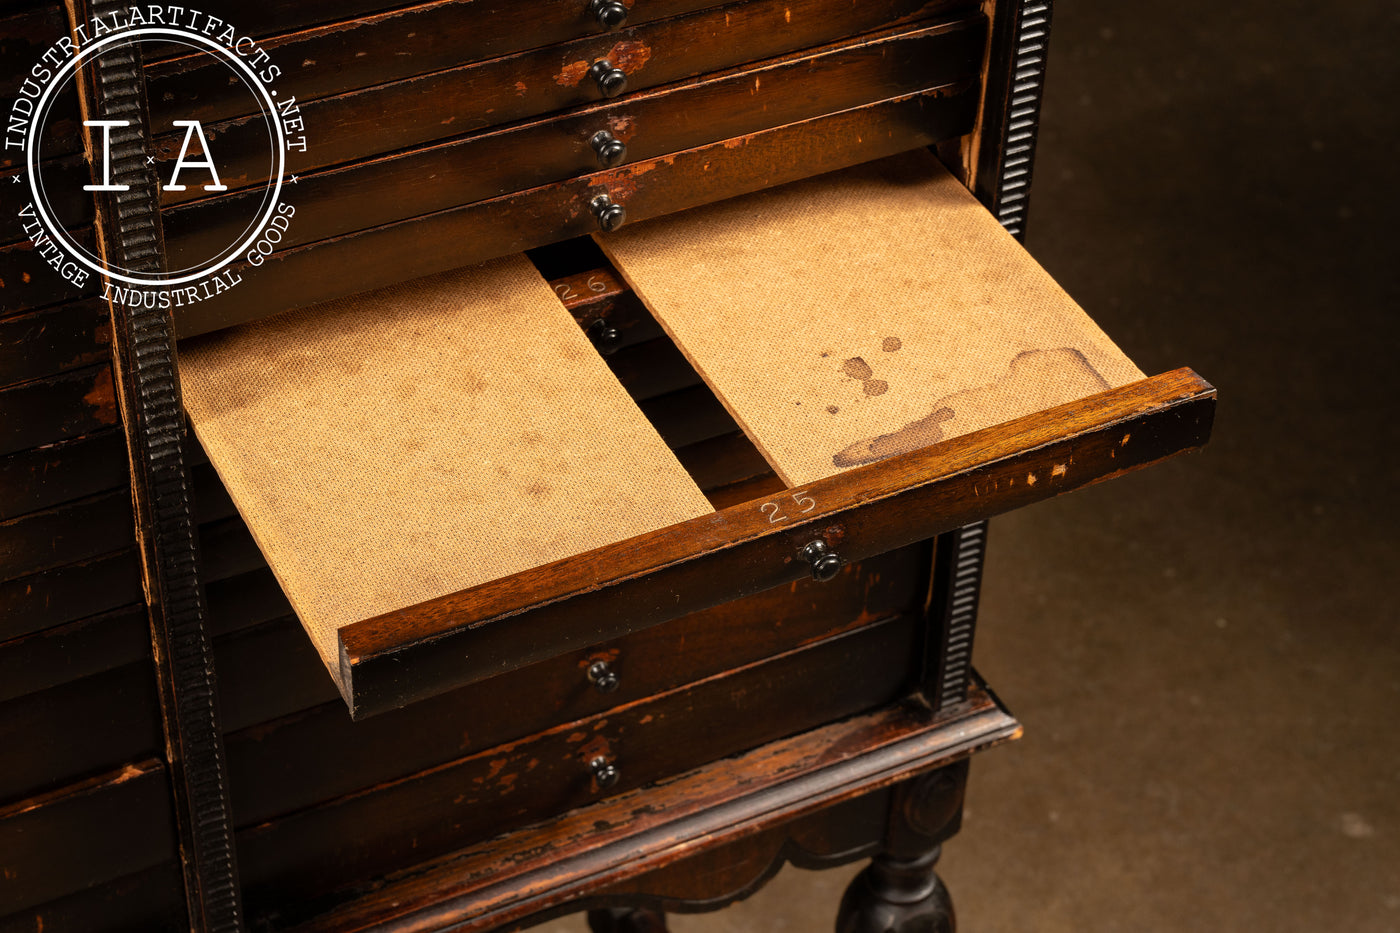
x=774 y=510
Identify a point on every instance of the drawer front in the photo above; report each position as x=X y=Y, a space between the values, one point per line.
x=366 y=123
x=447 y=239
x=647 y=126
x=316 y=755
x=389 y=46
x=365 y=835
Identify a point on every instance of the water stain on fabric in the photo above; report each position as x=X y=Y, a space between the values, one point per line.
x=832 y=409
x=891 y=344
x=1034 y=380
x=876 y=387
x=857 y=368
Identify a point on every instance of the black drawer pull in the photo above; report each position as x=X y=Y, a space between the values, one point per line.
x=605 y=773
x=611 y=150
x=610 y=14
x=825 y=562
x=610 y=214
x=611 y=81
x=603 y=677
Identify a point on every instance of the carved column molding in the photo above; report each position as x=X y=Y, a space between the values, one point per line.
x=112 y=87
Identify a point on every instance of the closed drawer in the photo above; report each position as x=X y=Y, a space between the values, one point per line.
x=288 y=764
x=636 y=129
x=384 y=829
x=394 y=44
x=373 y=121
x=419 y=246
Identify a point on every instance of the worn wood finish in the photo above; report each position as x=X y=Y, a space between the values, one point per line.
x=66 y=653
x=400 y=657
x=289 y=764
x=504 y=880
x=652 y=124
x=114 y=705
x=121 y=817
x=45 y=343
x=277 y=767
x=54 y=597
x=443 y=104
x=42 y=477
x=28 y=281
x=64 y=177
x=146 y=901
x=384 y=47
x=472 y=233
x=87 y=587
x=62 y=138
x=26 y=34
x=714 y=878
x=64 y=535
x=268 y=671
x=356 y=838
x=57 y=408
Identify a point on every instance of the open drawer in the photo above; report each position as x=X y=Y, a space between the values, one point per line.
x=450 y=484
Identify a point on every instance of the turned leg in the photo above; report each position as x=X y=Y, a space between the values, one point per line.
x=897 y=895
x=626 y=920
x=899 y=891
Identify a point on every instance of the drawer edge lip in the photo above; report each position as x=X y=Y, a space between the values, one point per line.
x=390 y=660
x=894 y=743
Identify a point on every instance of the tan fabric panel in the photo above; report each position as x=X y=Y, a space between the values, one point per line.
x=850 y=317
x=396 y=446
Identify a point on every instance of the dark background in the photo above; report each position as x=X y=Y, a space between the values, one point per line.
x=1206 y=655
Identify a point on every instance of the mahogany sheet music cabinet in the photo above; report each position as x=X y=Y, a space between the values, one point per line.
x=770 y=665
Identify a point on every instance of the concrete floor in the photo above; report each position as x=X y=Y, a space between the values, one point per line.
x=1205 y=654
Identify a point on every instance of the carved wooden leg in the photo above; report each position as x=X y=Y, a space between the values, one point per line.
x=899 y=892
x=897 y=895
x=626 y=920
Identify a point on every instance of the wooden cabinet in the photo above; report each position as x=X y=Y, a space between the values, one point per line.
x=782 y=368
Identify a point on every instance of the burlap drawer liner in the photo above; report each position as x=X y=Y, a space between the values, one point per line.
x=395 y=446
x=852 y=316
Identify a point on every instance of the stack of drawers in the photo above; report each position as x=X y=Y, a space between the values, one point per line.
x=592 y=744
x=450 y=133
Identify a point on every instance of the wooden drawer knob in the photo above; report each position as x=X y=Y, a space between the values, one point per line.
x=605 y=773
x=602 y=676
x=826 y=563
x=611 y=151
x=611 y=80
x=610 y=214
x=610 y=14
